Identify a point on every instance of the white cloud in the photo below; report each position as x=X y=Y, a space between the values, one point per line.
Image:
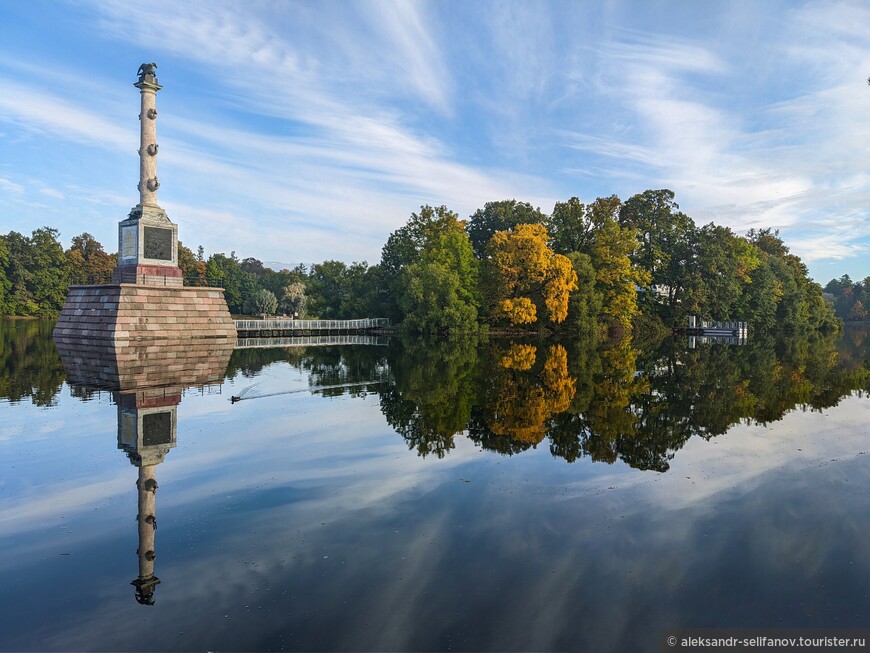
x=32 y=108
x=10 y=186
x=52 y=192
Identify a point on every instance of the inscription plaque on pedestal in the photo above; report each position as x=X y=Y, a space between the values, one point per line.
x=158 y=243
x=157 y=428
x=128 y=243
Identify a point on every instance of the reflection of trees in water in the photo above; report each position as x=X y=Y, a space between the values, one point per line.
x=250 y=362
x=361 y=367
x=29 y=363
x=612 y=402
x=606 y=402
x=433 y=390
x=600 y=419
x=525 y=389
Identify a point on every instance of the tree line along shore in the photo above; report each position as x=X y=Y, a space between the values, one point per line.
x=604 y=267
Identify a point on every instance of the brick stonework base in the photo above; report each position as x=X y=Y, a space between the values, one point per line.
x=123 y=365
x=129 y=312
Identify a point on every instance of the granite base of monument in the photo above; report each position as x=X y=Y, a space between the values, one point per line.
x=130 y=312
x=119 y=365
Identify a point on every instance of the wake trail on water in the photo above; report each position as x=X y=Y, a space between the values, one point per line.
x=243 y=395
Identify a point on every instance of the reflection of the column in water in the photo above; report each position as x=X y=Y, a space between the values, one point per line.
x=147 y=380
x=147 y=426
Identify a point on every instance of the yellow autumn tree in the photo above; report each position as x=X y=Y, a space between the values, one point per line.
x=524 y=277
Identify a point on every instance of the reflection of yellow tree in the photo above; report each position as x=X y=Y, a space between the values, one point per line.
x=526 y=399
x=519 y=357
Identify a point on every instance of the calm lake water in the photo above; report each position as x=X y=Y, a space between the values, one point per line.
x=469 y=496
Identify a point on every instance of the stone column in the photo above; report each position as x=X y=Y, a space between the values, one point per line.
x=147 y=519
x=147 y=239
x=148 y=183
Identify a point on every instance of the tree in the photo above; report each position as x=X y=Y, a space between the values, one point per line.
x=616 y=279
x=188 y=264
x=339 y=291
x=37 y=273
x=594 y=231
x=858 y=311
x=253 y=265
x=585 y=303
x=524 y=277
x=18 y=273
x=262 y=302
x=801 y=305
x=224 y=271
x=665 y=236
x=432 y=300
x=570 y=227
x=404 y=245
x=761 y=297
x=723 y=268
x=294 y=300
x=5 y=283
x=249 y=291
x=439 y=292
x=88 y=262
x=499 y=216
x=768 y=240
x=403 y=248
x=573 y=225
x=277 y=281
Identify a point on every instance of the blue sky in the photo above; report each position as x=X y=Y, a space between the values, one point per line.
x=299 y=132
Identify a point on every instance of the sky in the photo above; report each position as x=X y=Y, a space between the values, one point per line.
x=306 y=131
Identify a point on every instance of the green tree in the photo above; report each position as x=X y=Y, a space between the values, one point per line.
x=262 y=302
x=800 y=306
x=188 y=263
x=665 y=237
x=253 y=265
x=5 y=283
x=403 y=248
x=18 y=273
x=570 y=227
x=594 y=230
x=762 y=296
x=36 y=272
x=439 y=291
x=294 y=299
x=723 y=268
x=225 y=271
x=339 y=291
x=249 y=291
x=585 y=304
